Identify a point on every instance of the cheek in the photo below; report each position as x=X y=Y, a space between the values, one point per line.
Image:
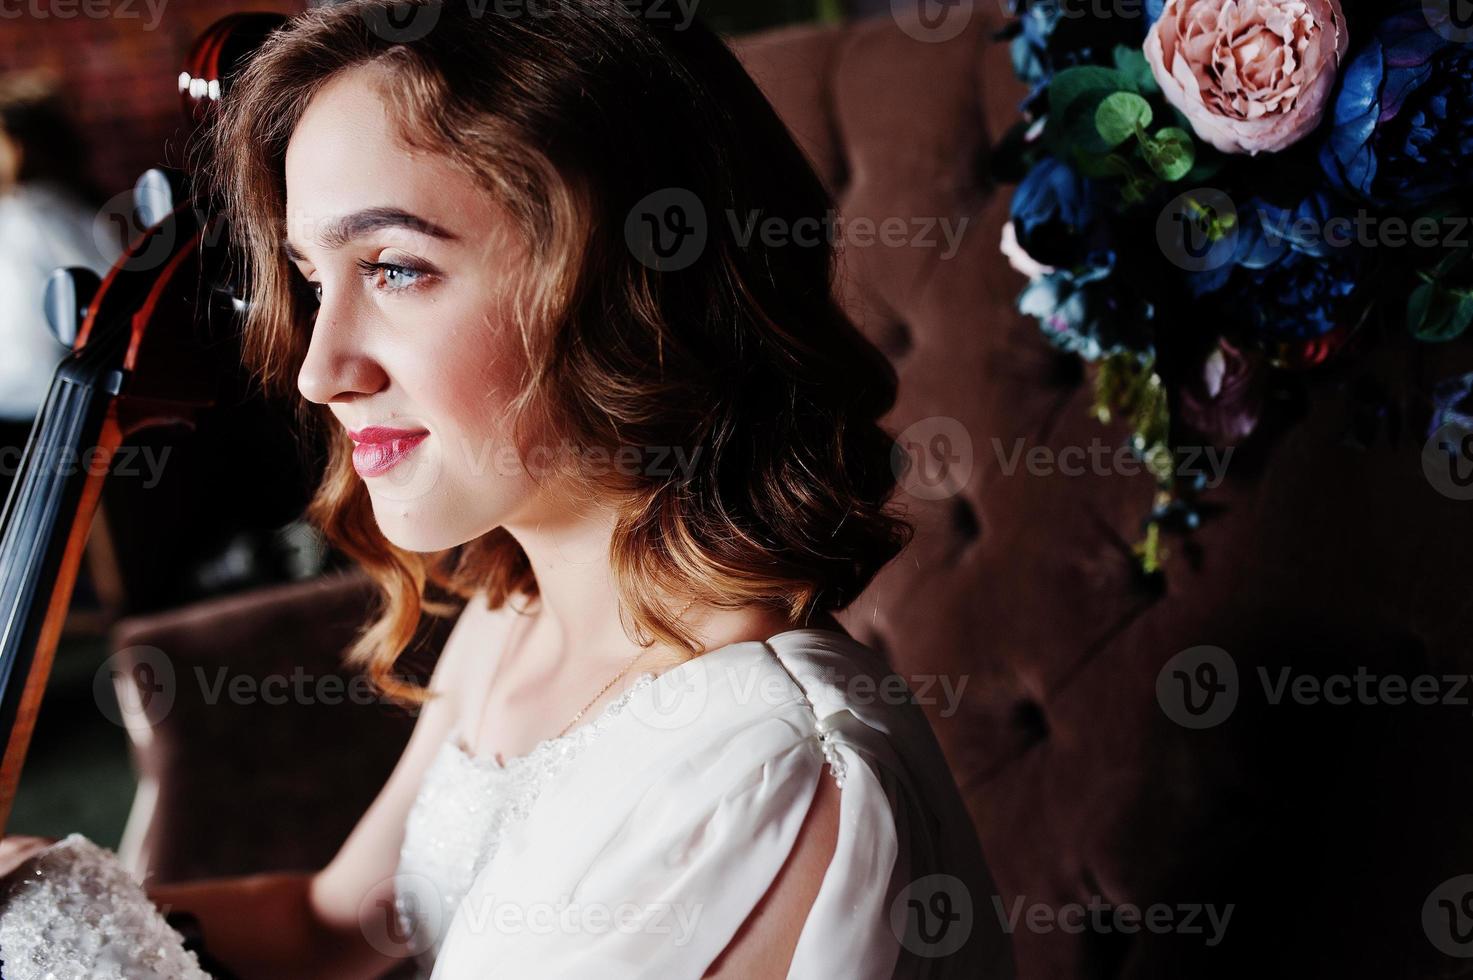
x=477 y=372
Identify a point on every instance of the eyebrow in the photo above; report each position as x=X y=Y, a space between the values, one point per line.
x=341 y=231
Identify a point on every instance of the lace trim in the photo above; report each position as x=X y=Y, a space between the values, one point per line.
x=74 y=913
x=465 y=805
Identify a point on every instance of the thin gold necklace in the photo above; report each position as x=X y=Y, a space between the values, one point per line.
x=614 y=680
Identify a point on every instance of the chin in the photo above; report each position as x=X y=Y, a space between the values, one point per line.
x=410 y=526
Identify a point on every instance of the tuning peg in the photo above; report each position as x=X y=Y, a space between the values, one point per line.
x=156 y=193
x=68 y=293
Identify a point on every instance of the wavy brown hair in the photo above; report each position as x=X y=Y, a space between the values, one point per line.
x=570 y=117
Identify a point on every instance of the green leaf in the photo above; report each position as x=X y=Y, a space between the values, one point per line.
x=1459 y=322
x=1132 y=62
x=1072 y=133
x=1074 y=83
x=1074 y=96
x=1120 y=116
x=1171 y=153
x=1437 y=315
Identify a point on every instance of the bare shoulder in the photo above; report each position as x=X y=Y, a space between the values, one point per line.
x=764 y=945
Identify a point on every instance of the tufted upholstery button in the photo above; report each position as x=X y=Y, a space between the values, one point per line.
x=966 y=527
x=895 y=340
x=839 y=179
x=1028 y=718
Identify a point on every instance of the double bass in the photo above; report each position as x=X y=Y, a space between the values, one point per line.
x=145 y=343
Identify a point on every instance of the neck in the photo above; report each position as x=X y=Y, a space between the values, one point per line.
x=577 y=609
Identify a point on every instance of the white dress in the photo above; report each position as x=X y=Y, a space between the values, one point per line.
x=638 y=844
x=635 y=846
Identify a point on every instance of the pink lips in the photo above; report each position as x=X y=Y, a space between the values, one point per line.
x=377 y=449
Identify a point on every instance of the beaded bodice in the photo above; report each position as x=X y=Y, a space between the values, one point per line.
x=74 y=912
x=454 y=828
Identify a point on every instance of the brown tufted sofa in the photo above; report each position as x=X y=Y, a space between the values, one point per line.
x=1321 y=830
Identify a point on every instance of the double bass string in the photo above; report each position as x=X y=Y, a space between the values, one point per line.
x=20 y=544
x=30 y=519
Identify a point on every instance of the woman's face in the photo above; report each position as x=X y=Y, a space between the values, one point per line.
x=408 y=258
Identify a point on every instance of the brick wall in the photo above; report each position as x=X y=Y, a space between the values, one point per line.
x=119 y=61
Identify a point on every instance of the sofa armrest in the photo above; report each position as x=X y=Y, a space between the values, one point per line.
x=256 y=749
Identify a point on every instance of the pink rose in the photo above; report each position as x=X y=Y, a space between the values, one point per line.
x=1251 y=75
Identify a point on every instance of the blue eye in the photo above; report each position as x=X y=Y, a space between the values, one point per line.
x=390 y=276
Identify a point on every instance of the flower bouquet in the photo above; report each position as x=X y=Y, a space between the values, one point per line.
x=1213 y=194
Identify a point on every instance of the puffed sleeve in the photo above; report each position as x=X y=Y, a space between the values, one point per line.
x=645 y=857
x=673 y=875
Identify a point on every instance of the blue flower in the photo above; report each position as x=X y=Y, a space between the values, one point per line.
x=1051 y=35
x=1055 y=213
x=1292 y=273
x=1032 y=60
x=1088 y=311
x=1402 y=129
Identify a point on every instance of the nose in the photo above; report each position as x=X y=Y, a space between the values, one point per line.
x=337 y=367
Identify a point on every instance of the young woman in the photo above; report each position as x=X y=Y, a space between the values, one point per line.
x=520 y=263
